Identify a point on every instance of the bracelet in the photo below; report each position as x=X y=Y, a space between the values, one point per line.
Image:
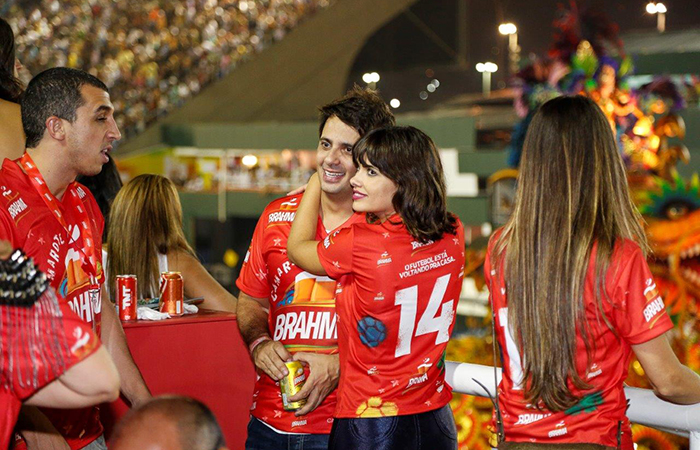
x=258 y=341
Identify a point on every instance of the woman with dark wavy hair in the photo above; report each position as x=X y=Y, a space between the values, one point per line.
x=400 y=276
x=11 y=132
x=571 y=291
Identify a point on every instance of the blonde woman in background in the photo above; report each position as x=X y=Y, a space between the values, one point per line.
x=145 y=238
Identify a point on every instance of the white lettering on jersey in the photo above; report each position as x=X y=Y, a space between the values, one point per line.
x=281 y=216
x=526 y=419
x=415 y=244
x=81 y=305
x=417 y=380
x=560 y=430
x=653 y=308
x=317 y=325
x=595 y=371
x=17 y=207
x=426 y=264
x=298 y=423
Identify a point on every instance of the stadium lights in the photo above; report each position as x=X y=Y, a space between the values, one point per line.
x=660 y=10
x=371 y=77
x=509 y=29
x=486 y=69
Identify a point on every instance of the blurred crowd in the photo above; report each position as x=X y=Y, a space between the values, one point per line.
x=153 y=55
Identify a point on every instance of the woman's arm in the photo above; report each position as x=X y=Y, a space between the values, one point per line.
x=92 y=381
x=301 y=244
x=199 y=283
x=671 y=380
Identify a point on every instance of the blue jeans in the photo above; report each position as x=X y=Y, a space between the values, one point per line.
x=262 y=437
x=97 y=444
x=432 y=430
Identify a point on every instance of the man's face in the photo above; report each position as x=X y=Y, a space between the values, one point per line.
x=334 y=157
x=90 y=136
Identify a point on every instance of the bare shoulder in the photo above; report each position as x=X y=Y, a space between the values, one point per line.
x=11 y=132
x=180 y=261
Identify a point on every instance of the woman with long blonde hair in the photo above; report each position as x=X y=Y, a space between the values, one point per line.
x=145 y=238
x=571 y=292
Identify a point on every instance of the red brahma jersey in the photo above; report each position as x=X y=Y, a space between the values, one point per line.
x=71 y=340
x=302 y=311
x=27 y=223
x=396 y=311
x=637 y=313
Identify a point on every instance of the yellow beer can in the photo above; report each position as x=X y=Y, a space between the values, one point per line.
x=291 y=384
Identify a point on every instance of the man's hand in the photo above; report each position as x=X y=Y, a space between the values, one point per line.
x=269 y=357
x=324 y=372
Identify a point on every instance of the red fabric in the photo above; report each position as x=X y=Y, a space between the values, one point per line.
x=302 y=311
x=637 y=313
x=28 y=224
x=72 y=342
x=396 y=314
x=200 y=355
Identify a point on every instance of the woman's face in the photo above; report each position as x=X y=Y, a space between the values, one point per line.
x=372 y=192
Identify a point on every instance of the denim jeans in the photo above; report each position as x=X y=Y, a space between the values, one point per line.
x=432 y=430
x=262 y=437
x=97 y=444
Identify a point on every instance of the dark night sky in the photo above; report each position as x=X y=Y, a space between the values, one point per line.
x=401 y=46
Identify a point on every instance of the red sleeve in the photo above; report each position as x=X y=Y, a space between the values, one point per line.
x=639 y=313
x=253 y=277
x=336 y=252
x=39 y=357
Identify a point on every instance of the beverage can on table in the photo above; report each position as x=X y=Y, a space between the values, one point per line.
x=291 y=384
x=172 y=294
x=127 y=295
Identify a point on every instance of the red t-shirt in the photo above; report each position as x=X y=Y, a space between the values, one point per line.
x=396 y=311
x=27 y=223
x=64 y=342
x=302 y=311
x=637 y=313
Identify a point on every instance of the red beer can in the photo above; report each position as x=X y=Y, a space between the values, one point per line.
x=172 y=294
x=127 y=295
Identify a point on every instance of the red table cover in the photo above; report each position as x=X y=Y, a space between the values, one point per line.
x=201 y=356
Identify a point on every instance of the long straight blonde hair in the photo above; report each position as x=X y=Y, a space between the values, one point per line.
x=572 y=194
x=145 y=220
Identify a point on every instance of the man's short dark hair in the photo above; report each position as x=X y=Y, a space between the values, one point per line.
x=361 y=109
x=197 y=426
x=54 y=92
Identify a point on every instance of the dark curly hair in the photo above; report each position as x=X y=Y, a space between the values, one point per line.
x=361 y=109
x=10 y=86
x=408 y=157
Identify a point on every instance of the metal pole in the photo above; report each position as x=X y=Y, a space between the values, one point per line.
x=661 y=22
x=486 y=82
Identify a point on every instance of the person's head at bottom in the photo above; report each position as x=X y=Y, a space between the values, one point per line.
x=169 y=423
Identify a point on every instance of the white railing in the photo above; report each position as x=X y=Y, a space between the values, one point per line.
x=645 y=408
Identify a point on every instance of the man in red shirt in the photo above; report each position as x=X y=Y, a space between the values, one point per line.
x=68 y=121
x=50 y=356
x=283 y=310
